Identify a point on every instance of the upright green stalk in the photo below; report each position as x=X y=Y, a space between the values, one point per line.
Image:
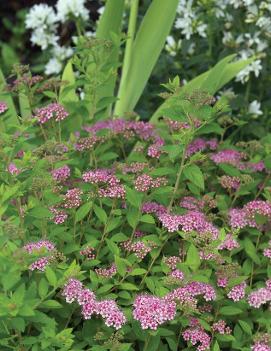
x=129 y=45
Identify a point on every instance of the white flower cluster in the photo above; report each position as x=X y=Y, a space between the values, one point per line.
x=43 y=20
x=245 y=24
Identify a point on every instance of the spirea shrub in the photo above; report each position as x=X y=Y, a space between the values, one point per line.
x=119 y=234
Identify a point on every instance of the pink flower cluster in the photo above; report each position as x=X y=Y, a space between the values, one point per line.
x=267 y=251
x=191 y=221
x=154 y=150
x=3 y=107
x=237 y=293
x=261 y=296
x=177 y=125
x=187 y=294
x=153 y=207
x=107 y=272
x=36 y=247
x=87 y=143
x=13 y=170
x=172 y=261
x=260 y=346
x=50 y=111
x=196 y=335
x=129 y=129
x=89 y=253
x=153 y=311
x=191 y=203
x=145 y=182
x=177 y=274
x=134 y=167
x=221 y=327
x=59 y=216
x=108 y=309
x=200 y=144
x=232 y=157
x=229 y=243
x=105 y=177
x=39 y=245
x=61 y=174
x=72 y=198
x=139 y=248
x=230 y=183
x=246 y=216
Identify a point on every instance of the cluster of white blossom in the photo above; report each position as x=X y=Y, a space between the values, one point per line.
x=244 y=25
x=44 y=21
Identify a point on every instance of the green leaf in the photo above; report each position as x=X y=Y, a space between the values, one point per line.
x=133 y=216
x=83 y=211
x=50 y=304
x=24 y=104
x=51 y=277
x=67 y=92
x=230 y=311
x=216 y=347
x=100 y=213
x=245 y=326
x=251 y=250
x=133 y=197
x=121 y=265
x=40 y=212
x=193 y=258
x=112 y=246
x=43 y=288
x=194 y=174
x=128 y=286
x=111 y=23
x=145 y=50
x=138 y=271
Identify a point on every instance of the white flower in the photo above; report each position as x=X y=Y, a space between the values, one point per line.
x=254 y=67
x=101 y=10
x=227 y=38
x=201 y=29
x=255 y=108
x=53 y=66
x=76 y=8
x=41 y=16
x=62 y=52
x=172 y=46
x=43 y=38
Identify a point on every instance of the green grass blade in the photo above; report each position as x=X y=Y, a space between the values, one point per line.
x=67 y=91
x=110 y=24
x=148 y=44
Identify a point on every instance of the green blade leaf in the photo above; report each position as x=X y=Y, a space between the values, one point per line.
x=110 y=24
x=148 y=44
x=67 y=92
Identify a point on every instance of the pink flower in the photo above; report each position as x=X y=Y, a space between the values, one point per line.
x=177 y=274
x=231 y=157
x=229 y=243
x=59 y=217
x=89 y=253
x=3 y=107
x=40 y=264
x=196 y=335
x=260 y=346
x=145 y=182
x=153 y=207
x=153 y=311
x=61 y=174
x=229 y=183
x=261 y=296
x=107 y=272
x=13 y=170
x=50 y=111
x=139 y=248
x=237 y=292
x=72 y=199
x=39 y=245
x=109 y=310
x=221 y=327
